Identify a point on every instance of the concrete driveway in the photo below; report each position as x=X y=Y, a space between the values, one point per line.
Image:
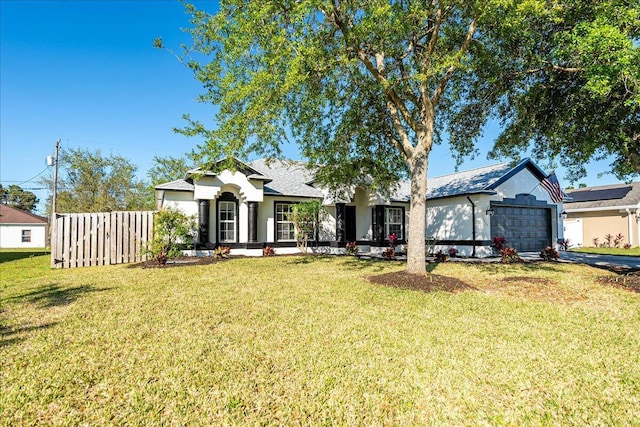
x=615 y=262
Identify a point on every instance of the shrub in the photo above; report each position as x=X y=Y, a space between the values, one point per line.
x=627 y=246
x=221 y=252
x=608 y=239
x=352 y=248
x=268 y=251
x=172 y=230
x=510 y=255
x=389 y=253
x=441 y=257
x=453 y=252
x=549 y=254
x=595 y=242
x=617 y=240
x=564 y=244
x=499 y=243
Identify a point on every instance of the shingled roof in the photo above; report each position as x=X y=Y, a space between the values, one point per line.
x=288 y=178
x=602 y=197
x=9 y=215
x=292 y=178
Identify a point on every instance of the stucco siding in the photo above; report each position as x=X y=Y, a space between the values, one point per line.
x=11 y=236
x=600 y=223
x=181 y=200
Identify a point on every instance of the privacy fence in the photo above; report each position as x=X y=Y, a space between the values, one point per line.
x=103 y=238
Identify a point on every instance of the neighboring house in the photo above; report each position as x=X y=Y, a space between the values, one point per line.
x=248 y=209
x=594 y=212
x=22 y=229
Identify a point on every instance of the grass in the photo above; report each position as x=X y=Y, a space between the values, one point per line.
x=609 y=251
x=309 y=341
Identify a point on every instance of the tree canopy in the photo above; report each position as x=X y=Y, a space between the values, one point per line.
x=91 y=182
x=367 y=88
x=18 y=198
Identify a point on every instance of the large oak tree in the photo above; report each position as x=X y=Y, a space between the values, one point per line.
x=367 y=88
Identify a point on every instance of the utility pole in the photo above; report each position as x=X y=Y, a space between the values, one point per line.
x=52 y=231
x=55 y=182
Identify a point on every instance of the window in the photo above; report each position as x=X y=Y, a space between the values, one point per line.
x=394 y=221
x=227 y=221
x=26 y=236
x=284 y=227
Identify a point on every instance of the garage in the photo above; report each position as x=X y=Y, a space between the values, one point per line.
x=526 y=228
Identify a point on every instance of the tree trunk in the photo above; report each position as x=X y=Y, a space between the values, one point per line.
x=417 y=216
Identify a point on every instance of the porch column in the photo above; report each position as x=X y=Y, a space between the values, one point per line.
x=203 y=221
x=253 y=221
x=379 y=231
x=340 y=212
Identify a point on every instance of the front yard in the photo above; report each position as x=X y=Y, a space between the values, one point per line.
x=311 y=341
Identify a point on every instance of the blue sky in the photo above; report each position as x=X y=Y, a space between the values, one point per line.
x=86 y=72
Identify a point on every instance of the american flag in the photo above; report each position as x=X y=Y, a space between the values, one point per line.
x=552 y=186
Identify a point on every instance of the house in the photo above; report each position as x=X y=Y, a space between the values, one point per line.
x=22 y=229
x=248 y=208
x=595 y=212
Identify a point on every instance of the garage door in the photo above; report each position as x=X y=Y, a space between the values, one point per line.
x=525 y=228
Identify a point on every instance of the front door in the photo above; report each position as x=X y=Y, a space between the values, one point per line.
x=350 y=223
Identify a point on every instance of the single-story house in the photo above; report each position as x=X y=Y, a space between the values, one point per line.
x=22 y=229
x=247 y=209
x=595 y=212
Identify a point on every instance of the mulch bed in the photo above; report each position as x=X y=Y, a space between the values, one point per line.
x=427 y=283
x=629 y=281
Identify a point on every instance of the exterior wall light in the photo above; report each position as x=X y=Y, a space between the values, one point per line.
x=563 y=215
x=489 y=211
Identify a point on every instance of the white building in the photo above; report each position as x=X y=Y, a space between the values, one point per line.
x=21 y=229
x=247 y=209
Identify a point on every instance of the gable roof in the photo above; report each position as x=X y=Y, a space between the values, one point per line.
x=483 y=180
x=9 y=215
x=288 y=178
x=615 y=196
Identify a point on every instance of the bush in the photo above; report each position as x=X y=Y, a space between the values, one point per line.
x=564 y=244
x=453 y=252
x=352 y=248
x=221 y=252
x=549 y=254
x=499 y=244
x=172 y=231
x=441 y=257
x=510 y=255
x=268 y=251
x=389 y=253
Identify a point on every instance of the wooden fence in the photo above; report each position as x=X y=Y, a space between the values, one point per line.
x=103 y=238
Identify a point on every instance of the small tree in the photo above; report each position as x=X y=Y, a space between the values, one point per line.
x=172 y=230
x=306 y=219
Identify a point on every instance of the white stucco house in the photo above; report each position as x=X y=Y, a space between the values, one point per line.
x=247 y=209
x=21 y=229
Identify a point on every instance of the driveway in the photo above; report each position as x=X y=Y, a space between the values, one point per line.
x=614 y=262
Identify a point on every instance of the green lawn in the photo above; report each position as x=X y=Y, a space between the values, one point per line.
x=309 y=341
x=609 y=251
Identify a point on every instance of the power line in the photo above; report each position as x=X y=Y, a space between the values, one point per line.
x=28 y=180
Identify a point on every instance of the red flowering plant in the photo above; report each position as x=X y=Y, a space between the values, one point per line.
x=549 y=254
x=390 y=252
x=499 y=244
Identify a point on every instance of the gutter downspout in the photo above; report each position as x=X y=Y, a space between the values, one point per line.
x=473 y=225
x=630 y=225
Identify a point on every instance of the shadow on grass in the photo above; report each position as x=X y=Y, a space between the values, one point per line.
x=53 y=295
x=377 y=264
x=6 y=256
x=10 y=336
